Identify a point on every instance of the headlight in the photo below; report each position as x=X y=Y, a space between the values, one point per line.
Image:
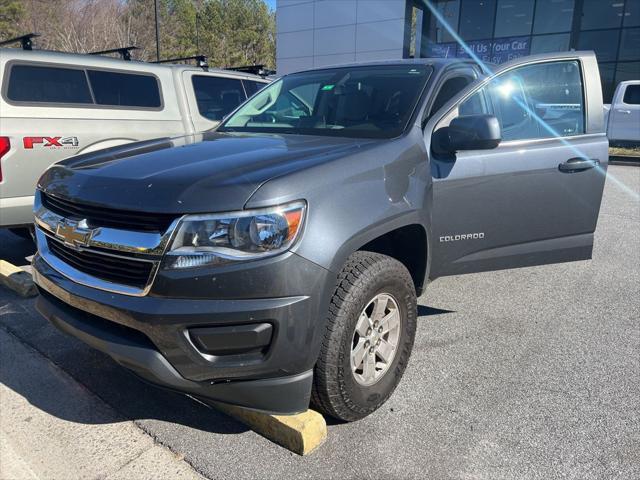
x=236 y=236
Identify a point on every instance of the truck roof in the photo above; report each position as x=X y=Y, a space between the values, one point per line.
x=435 y=62
x=7 y=54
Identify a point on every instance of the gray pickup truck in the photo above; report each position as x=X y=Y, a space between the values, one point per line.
x=276 y=261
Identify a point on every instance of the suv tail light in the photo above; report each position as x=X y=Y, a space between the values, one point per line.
x=5 y=146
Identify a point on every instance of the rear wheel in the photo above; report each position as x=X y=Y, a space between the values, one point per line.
x=368 y=338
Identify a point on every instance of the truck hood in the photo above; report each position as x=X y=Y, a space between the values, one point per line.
x=211 y=172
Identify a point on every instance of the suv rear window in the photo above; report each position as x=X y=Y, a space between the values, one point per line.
x=29 y=83
x=124 y=89
x=40 y=84
x=217 y=96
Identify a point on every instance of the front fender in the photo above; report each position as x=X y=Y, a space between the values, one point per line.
x=355 y=199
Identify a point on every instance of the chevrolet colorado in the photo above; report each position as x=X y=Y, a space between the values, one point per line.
x=276 y=261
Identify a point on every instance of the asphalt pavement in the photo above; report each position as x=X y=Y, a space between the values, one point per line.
x=530 y=374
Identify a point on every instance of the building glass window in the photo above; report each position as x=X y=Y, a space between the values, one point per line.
x=601 y=14
x=558 y=42
x=450 y=12
x=500 y=30
x=603 y=42
x=632 y=14
x=630 y=44
x=607 y=76
x=513 y=17
x=553 y=16
x=476 y=19
x=627 y=71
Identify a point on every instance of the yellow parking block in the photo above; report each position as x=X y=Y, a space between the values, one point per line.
x=301 y=433
x=17 y=279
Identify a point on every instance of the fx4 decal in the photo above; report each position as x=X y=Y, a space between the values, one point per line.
x=50 y=142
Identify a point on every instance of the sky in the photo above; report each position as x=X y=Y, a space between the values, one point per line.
x=270 y=3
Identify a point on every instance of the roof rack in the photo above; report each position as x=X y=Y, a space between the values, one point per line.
x=25 y=41
x=201 y=60
x=253 y=69
x=125 y=52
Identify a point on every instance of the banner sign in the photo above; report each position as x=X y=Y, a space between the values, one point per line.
x=499 y=50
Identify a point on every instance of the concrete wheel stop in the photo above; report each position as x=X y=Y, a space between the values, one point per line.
x=301 y=433
x=17 y=279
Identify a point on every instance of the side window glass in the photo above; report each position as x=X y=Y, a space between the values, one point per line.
x=535 y=101
x=217 y=96
x=632 y=95
x=125 y=89
x=448 y=90
x=28 y=83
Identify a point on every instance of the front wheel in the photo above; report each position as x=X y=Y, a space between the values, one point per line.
x=368 y=338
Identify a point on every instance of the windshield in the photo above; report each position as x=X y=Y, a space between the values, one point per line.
x=370 y=102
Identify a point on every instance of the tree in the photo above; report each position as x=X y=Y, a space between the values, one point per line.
x=11 y=11
x=230 y=32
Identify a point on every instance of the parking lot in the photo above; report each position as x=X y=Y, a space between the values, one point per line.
x=530 y=373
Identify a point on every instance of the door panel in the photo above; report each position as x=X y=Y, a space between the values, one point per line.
x=522 y=204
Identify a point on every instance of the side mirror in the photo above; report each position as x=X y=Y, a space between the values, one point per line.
x=468 y=132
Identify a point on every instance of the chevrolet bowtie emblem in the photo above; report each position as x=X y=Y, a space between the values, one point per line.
x=73 y=235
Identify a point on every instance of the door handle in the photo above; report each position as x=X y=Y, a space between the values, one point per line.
x=578 y=164
x=626 y=112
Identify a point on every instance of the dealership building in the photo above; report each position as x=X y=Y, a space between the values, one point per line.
x=313 y=33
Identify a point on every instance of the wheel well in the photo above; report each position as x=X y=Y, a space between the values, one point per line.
x=408 y=245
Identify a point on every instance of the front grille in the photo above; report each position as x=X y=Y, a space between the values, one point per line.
x=134 y=273
x=108 y=217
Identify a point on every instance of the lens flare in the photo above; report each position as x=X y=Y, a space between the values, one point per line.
x=486 y=68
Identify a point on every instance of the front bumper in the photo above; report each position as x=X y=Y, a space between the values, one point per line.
x=152 y=335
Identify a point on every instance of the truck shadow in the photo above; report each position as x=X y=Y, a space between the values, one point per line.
x=131 y=398
x=425 y=311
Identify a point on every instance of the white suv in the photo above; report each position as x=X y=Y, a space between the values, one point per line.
x=56 y=105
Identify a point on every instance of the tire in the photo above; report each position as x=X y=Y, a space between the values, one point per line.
x=342 y=389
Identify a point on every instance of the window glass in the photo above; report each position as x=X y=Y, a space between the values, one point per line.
x=252 y=87
x=368 y=101
x=217 y=96
x=558 y=42
x=29 y=83
x=607 y=74
x=601 y=14
x=514 y=17
x=124 y=89
x=476 y=19
x=632 y=95
x=535 y=101
x=603 y=42
x=632 y=14
x=450 y=11
x=630 y=44
x=553 y=16
x=449 y=89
